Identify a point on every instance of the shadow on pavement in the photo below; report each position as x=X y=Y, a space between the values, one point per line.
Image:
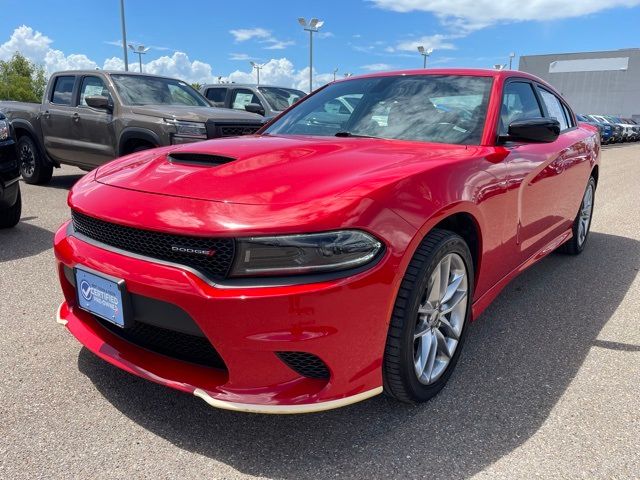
x=519 y=358
x=64 y=182
x=24 y=240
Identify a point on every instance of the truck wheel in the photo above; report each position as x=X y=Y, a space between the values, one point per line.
x=33 y=166
x=11 y=216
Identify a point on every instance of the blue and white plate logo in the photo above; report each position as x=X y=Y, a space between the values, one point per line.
x=100 y=296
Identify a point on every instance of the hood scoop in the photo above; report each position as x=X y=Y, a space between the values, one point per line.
x=204 y=159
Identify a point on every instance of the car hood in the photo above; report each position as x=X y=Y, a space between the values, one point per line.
x=196 y=114
x=272 y=169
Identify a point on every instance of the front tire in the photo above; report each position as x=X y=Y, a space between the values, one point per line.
x=429 y=319
x=10 y=217
x=582 y=222
x=34 y=168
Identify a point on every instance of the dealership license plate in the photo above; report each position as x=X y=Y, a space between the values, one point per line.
x=102 y=296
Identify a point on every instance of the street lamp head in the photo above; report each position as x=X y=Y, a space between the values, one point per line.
x=319 y=24
x=512 y=54
x=313 y=22
x=421 y=49
x=429 y=51
x=302 y=21
x=253 y=64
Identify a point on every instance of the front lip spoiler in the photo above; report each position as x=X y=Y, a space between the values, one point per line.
x=286 y=409
x=270 y=409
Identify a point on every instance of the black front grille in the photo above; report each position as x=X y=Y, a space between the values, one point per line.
x=306 y=364
x=215 y=130
x=210 y=256
x=237 y=131
x=181 y=346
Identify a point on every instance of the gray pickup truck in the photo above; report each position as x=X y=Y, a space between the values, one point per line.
x=90 y=117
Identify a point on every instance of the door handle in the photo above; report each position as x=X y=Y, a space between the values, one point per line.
x=76 y=117
x=46 y=114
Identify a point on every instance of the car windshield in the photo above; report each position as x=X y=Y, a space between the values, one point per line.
x=428 y=108
x=144 y=90
x=281 y=98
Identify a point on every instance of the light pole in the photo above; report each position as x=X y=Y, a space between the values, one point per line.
x=499 y=66
x=124 y=37
x=512 y=55
x=140 y=50
x=425 y=53
x=348 y=74
x=334 y=74
x=258 y=67
x=313 y=26
x=219 y=78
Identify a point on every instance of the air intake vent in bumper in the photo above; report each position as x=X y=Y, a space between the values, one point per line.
x=306 y=364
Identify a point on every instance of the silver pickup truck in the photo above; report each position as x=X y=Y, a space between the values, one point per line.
x=90 y=117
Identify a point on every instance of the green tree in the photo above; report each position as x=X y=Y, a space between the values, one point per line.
x=196 y=85
x=21 y=80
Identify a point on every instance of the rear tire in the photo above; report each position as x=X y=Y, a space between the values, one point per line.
x=582 y=223
x=34 y=167
x=11 y=216
x=423 y=343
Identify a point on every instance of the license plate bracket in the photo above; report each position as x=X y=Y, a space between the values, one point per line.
x=103 y=295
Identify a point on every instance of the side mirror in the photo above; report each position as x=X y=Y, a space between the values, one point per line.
x=254 y=108
x=100 y=102
x=536 y=130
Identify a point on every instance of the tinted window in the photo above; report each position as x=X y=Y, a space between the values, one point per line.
x=91 y=87
x=242 y=97
x=62 y=90
x=518 y=103
x=281 y=98
x=568 y=116
x=554 y=107
x=428 y=108
x=216 y=95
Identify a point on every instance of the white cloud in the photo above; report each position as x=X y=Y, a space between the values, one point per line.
x=281 y=72
x=244 y=34
x=37 y=48
x=240 y=56
x=474 y=14
x=437 y=42
x=376 y=67
x=263 y=36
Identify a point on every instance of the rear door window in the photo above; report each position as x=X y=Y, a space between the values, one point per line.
x=216 y=95
x=63 y=90
x=554 y=108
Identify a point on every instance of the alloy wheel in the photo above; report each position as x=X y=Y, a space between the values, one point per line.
x=441 y=318
x=586 y=209
x=27 y=160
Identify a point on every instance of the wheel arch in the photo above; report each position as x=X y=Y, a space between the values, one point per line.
x=595 y=172
x=132 y=135
x=466 y=225
x=22 y=128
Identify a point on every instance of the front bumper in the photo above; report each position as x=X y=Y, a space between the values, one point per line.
x=343 y=322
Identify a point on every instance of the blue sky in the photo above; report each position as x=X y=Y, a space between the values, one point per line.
x=214 y=38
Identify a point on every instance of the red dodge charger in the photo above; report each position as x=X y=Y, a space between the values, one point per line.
x=340 y=252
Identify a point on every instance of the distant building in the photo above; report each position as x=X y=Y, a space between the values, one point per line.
x=593 y=82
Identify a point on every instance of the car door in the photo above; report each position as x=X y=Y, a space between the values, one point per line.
x=96 y=133
x=536 y=171
x=58 y=127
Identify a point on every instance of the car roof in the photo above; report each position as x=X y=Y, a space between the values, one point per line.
x=246 y=85
x=115 y=72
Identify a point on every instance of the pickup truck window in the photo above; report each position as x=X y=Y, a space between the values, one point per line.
x=242 y=97
x=428 y=108
x=143 y=90
x=92 y=86
x=216 y=95
x=281 y=98
x=62 y=90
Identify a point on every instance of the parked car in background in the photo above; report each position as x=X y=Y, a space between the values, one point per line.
x=605 y=129
x=627 y=130
x=265 y=100
x=317 y=263
x=634 y=126
x=90 y=117
x=617 y=130
x=10 y=198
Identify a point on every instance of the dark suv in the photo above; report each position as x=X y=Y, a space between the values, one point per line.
x=10 y=201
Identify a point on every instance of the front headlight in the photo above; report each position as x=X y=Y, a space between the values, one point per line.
x=304 y=254
x=188 y=129
x=4 y=130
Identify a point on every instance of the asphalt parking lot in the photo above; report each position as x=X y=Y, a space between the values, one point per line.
x=548 y=383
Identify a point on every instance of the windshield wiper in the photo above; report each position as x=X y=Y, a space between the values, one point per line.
x=355 y=135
